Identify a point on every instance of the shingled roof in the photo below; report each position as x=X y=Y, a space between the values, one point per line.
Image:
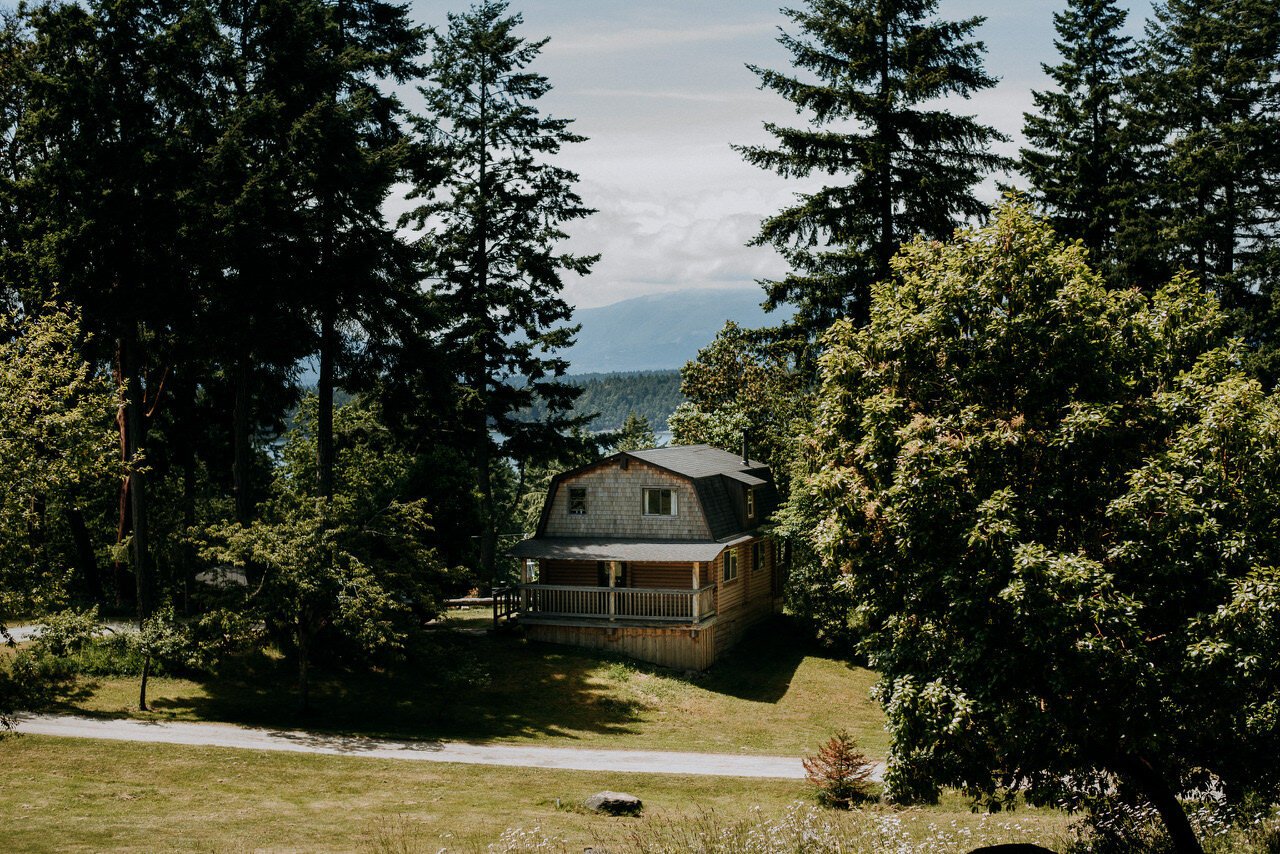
x=717 y=478
x=696 y=460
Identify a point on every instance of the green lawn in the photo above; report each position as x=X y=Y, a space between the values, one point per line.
x=71 y=795
x=772 y=694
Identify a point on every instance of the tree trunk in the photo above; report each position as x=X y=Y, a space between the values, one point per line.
x=324 y=390
x=124 y=521
x=86 y=561
x=188 y=522
x=304 y=674
x=488 y=527
x=240 y=470
x=131 y=371
x=1143 y=775
x=142 y=690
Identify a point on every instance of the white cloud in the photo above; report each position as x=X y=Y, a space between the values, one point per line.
x=614 y=39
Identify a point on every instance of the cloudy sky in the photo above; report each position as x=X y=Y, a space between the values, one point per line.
x=661 y=89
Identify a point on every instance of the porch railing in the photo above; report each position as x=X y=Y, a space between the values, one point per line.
x=618 y=604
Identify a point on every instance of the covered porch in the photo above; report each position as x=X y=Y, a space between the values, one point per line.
x=590 y=581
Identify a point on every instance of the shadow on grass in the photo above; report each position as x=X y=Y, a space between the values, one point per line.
x=457 y=687
x=515 y=690
x=761 y=666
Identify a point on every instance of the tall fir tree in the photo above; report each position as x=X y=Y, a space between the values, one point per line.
x=115 y=133
x=870 y=73
x=267 y=88
x=353 y=155
x=1207 y=99
x=492 y=214
x=1077 y=160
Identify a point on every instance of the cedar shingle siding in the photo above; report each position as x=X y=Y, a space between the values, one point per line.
x=615 y=505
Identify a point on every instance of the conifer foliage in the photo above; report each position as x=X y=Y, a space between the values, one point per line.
x=867 y=72
x=840 y=771
x=492 y=213
x=1207 y=97
x=1078 y=161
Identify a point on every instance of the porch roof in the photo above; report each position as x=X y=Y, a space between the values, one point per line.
x=639 y=551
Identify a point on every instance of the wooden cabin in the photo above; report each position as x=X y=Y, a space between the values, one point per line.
x=656 y=554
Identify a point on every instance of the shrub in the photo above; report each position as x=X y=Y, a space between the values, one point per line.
x=841 y=772
x=67 y=632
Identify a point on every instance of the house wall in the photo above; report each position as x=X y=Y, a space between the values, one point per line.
x=615 y=509
x=682 y=649
x=748 y=599
x=675 y=576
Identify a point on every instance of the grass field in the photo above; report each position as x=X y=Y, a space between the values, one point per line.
x=772 y=694
x=70 y=795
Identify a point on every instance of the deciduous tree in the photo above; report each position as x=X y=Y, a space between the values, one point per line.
x=1049 y=504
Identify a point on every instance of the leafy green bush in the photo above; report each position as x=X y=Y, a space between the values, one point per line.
x=66 y=632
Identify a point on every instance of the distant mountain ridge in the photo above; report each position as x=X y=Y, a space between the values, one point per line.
x=661 y=331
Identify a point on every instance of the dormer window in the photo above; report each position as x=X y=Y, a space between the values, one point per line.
x=659 y=502
x=577 y=501
x=751 y=503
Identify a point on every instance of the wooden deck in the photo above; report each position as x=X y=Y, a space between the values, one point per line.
x=543 y=603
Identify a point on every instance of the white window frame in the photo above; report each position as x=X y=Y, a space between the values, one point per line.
x=751 y=502
x=757 y=555
x=730 y=563
x=644 y=501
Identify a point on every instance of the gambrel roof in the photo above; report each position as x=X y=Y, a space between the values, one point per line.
x=719 y=480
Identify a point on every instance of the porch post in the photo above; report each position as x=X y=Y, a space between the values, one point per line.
x=697 y=579
x=613 y=582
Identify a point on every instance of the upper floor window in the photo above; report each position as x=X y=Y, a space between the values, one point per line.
x=659 y=502
x=577 y=501
x=730 y=565
x=751 y=503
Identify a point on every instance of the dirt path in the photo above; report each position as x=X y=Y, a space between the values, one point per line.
x=567 y=758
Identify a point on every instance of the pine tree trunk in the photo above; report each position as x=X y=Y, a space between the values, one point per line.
x=304 y=670
x=488 y=529
x=188 y=522
x=124 y=522
x=86 y=562
x=324 y=390
x=134 y=417
x=1143 y=775
x=240 y=468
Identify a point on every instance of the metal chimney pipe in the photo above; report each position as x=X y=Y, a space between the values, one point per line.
x=746 y=461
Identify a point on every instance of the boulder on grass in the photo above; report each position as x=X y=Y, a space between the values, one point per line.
x=614 y=803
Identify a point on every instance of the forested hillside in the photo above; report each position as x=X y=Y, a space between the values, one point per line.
x=651 y=394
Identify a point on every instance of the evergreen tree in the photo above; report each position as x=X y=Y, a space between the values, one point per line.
x=352 y=154
x=492 y=215
x=1207 y=98
x=635 y=435
x=1077 y=160
x=267 y=87
x=870 y=68
x=115 y=130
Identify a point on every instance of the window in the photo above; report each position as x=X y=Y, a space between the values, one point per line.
x=577 y=501
x=659 y=502
x=751 y=502
x=730 y=565
x=757 y=555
